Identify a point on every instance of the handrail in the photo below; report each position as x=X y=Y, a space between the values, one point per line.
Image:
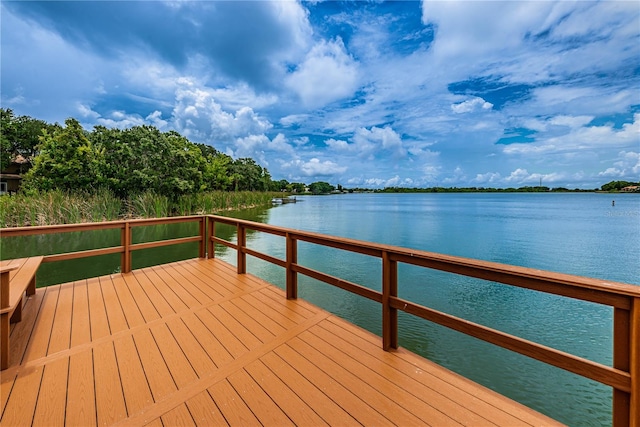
x=126 y=246
x=623 y=377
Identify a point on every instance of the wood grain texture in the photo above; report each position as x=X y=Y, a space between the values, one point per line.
x=157 y=347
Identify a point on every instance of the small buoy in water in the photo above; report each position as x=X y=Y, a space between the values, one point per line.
x=613 y=203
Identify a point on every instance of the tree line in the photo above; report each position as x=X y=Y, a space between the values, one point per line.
x=125 y=161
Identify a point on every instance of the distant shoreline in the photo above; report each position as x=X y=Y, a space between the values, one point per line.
x=487 y=190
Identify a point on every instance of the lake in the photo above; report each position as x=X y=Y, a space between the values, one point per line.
x=575 y=233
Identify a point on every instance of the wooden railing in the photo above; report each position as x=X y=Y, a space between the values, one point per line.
x=126 y=246
x=623 y=377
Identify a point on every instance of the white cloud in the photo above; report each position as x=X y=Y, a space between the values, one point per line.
x=370 y=141
x=250 y=146
x=471 y=105
x=519 y=175
x=315 y=167
x=580 y=138
x=487 y=178
x=327 y=74
x=627 y=167
x=293 y=119
x=197 y=114
x=337 y=144
x=571 y=121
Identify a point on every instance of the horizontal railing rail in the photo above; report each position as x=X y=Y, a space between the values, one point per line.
x=126 y=246
x=623 y=377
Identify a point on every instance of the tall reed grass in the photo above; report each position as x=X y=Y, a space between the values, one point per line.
x=59 y=207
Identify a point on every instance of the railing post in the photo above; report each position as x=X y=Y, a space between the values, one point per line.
x=125 y=240
x=202 y=248
x=292 y=258
x=211 y=231
x=242 y=256
x=4 y=320
x=389 y=314
x=634 y=368
x=622 y=361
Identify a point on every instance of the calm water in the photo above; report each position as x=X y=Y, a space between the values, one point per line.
x=572 y=233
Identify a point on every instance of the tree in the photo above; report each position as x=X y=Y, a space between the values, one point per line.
x=216 y=172
x=321 y=187
x=67 y=160
x=20 y=136
x=143 y=158
x=247 y=175
x=296 y=187
x=616 y=185
x=7 y=133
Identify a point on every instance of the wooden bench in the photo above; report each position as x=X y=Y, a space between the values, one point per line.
x=17 y=278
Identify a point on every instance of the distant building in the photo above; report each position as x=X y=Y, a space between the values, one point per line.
x=11 y=177
x=631 y=189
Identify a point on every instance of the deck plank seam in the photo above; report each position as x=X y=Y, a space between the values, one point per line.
x=177 y=289
x=142 y=298
x=249 y=328
x=226 y=344
x=169 y=271
x=346 y=347
x=62 y=321
x=43 y=360
x=282 y=362
x=277 y=295
x=253 y=323
x=123 y=292
x=155 y=283
x=197 y=341
x=257 y=364
x=332 y=378
x=149 y=288
x=283 y=381
x=338 y=322
x=169 y=402
x=184 y=353
x=248 y=403
x=373 y=379
x=55 y=311
x=260 y=306
x=341 y=373
x=181 y=267
x=429 y=373
x=255 y=313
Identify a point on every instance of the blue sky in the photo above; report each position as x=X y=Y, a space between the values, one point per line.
x=362 y=94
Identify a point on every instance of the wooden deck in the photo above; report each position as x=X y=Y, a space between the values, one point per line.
x=194 y=343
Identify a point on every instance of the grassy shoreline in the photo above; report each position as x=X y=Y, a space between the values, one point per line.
x=59 y=207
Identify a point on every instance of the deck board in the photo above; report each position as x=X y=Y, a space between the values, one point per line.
x=193 y=343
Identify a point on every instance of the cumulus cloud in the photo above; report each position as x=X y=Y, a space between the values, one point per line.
x=487 y=178
x=471 y=105
x=327 y=74
x=197 y=114
x=582 y=137
x=315 y=167
x=370 y=141
x=628 y=166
